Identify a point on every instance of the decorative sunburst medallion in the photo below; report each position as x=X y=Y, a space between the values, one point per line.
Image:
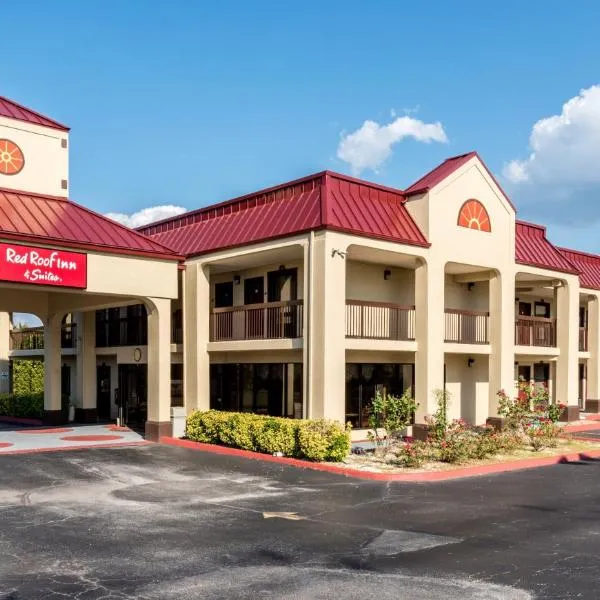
x=11 y=158
x=473 y=215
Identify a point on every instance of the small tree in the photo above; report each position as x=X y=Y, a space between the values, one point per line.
x=392 y=413
x=437 y=425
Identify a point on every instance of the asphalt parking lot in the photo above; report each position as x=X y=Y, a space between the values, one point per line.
x=158 y=522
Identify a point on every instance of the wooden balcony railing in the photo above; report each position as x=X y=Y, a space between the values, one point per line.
x=270 y=321
x=466 y=326
x=583 y=339
x=32 y=338
x=536 y=331
x=379 y=320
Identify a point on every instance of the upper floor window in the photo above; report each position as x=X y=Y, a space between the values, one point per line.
x=473 y=215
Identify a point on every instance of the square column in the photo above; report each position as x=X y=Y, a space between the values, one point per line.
x=85 y=382
x=327 y=337
x=159 y=369
x=567 y=340
x=593 y=364
x=53 y=414
x=196 y=328
x=502 y=340
x=4 y=350
x=429 y=334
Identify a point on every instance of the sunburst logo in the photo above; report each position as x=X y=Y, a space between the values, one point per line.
x=11 y=158
x=473 y=215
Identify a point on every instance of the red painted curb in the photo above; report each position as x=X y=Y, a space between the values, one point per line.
x=459 y=473
x=20 y=421
x=66 y=448
x=582 y=426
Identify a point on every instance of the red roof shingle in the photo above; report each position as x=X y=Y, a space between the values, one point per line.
x=533 y=248
x=48 y=219
x=588 y=266
x=322 y=201
x=13 y=110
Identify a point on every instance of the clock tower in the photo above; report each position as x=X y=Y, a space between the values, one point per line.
x=34 y=151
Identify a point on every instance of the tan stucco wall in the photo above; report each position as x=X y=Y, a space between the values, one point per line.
x=365 y=281
x=46 y=161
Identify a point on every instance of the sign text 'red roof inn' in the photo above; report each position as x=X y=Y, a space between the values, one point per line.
x=42 y=266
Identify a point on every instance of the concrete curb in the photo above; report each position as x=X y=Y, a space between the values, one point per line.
x=20 y=421
x=458 y=473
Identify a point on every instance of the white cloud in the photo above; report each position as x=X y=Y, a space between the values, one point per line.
x=563 y=167
x=371 y=144
x=146 y=215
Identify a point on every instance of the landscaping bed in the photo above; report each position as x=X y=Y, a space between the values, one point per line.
x=378 y=463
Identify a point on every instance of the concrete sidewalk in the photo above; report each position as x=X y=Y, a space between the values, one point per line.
x=18 y=439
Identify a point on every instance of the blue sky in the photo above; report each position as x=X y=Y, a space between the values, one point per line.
x=187 y=103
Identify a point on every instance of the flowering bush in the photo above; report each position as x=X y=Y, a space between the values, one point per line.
x=414 y=454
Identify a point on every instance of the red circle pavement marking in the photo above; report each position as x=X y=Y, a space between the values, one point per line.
x=91 y=438
x=5 y=444
x=55 y=430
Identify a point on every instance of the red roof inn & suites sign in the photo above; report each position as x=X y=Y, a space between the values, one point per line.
x=42 y=266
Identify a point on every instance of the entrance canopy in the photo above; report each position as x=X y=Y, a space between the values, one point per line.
x=57 y=257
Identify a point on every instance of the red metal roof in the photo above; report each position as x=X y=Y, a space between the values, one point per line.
x=13 y=110
x=36 y=218
x=438 y=174
x=533 y=248
x=588 y=266
x=322 y=201
x=446 y=169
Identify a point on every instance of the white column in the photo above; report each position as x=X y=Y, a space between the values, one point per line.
x=196 y=328
x=85 y=377
x=159 y=369
x=429 y=330
x=4 y=350
x=567 y=340
x=328 y=336
x=502 y=339
x=52 y=380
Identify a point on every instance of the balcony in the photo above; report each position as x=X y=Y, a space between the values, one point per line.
x=583 y=339
x=466 y=326
x=32 y=338
x=268 y=321
x=536 y=331
x=379 y=321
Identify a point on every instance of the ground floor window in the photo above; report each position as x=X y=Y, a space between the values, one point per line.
x=176 y=384
x=364 y=380
x=268 y=389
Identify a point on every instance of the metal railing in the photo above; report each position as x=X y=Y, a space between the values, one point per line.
x=536 y=331
x=466 y=326
x=32 y=338
x=379 y=320
x=268 y=321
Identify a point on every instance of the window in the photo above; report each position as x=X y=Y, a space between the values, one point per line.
x=542 y=309
x=176 y=384
x=582 y=316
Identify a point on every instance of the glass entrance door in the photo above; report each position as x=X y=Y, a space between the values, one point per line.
x=133 y=394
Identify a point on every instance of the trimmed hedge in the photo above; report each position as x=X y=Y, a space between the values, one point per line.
x=27 y=377
x=316 y=440
x=29 y=406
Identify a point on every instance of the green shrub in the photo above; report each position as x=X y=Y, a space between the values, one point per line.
x=313 y=440
x=27 y=377
x=274 y=434
x=30 y=406
x=391 y=413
